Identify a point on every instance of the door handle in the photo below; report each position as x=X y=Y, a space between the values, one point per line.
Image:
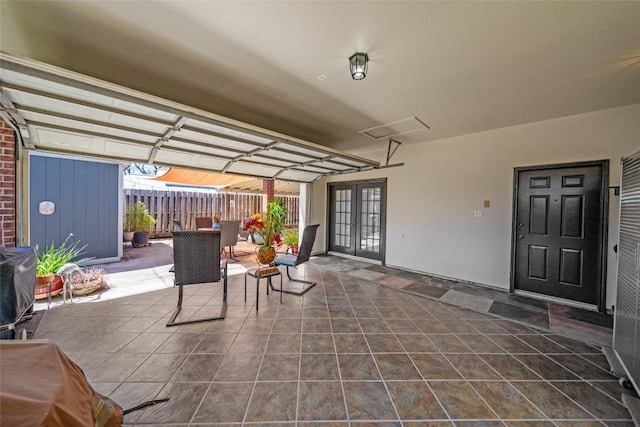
x=520 y=236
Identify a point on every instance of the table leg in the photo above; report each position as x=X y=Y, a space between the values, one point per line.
x=257 y=291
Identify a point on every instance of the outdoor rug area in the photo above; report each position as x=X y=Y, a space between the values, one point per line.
x=349 y=352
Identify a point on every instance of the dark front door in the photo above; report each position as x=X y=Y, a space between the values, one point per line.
x=559 y=231
x=356 y=218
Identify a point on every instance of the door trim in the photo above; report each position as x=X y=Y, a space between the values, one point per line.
x=383 y=218
x=604 y=221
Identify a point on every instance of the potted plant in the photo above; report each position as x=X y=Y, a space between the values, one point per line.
x=49 y=261
x=291 y=239
x=269 y=230
x=128 y=226
x=138 y=219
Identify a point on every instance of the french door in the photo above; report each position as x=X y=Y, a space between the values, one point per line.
x=357 y=218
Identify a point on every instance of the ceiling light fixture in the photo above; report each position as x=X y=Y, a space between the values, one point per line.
x=358 y=65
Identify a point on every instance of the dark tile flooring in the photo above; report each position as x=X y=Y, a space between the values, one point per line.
x=353 y=351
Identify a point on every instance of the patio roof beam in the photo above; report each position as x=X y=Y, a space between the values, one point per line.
x=179 y=150
x=87 y=104
x=207 y=145
x=218 y=157
x=179 y=123
x=301 y=167
x=86 y=120
x=222 y=135
x=169 y=135
x=21 y=123
x=328 y=158
x=274 y=158
x=83 y=132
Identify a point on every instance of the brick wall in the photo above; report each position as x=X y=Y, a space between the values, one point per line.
x=7 y=185
x=268 y=186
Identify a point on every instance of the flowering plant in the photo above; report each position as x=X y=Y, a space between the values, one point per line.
x=271 y=226
x=255 y=223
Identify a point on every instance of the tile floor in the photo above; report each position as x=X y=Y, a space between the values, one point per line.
x=350 y=352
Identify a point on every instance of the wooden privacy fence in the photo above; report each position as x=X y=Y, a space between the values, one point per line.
x=185 y=206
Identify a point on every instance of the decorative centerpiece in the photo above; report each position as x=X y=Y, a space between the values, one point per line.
x=269 y=230
x=216 y=222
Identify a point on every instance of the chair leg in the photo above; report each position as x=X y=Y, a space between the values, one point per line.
x=224 y=283
x=178 y=308
x=221 y=316
x=290 y=290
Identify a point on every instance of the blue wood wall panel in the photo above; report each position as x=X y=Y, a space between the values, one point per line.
x=86 y=196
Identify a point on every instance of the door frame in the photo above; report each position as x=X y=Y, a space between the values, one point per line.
x=604 y=222
x=383 y=216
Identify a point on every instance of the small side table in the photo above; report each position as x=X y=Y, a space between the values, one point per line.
x=261 y=273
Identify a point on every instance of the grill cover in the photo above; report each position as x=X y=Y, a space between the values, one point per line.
x=17 y=282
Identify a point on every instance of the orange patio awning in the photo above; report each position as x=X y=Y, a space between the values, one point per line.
x=202 y=179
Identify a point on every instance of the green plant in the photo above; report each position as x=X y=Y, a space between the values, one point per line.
x=137 y=218
x=291 y=237
x=52 y=258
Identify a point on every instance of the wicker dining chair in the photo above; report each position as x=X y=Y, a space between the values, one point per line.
x=196 y=257
x=204 y=222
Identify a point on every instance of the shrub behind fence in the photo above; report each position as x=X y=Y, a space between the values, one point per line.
x=185 y=206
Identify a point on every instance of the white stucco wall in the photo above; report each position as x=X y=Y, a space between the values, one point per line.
x=431 y=199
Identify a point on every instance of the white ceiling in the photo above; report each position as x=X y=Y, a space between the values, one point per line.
x=459 y=67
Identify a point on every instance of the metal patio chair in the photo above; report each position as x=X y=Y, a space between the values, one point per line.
x=294 y=260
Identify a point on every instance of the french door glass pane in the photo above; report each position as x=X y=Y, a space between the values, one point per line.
x=342 y=234
x=370 y=219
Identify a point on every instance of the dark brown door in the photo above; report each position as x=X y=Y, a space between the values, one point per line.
x=356 y=218
x=558 y=232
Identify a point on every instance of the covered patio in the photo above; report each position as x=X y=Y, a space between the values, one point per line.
x=368 y=344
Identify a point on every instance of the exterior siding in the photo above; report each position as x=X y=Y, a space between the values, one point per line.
x=86 y=199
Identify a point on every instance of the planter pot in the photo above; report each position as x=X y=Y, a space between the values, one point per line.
x=140 y=238
x=266 y=256
x=127 y=236
x=42 y=290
